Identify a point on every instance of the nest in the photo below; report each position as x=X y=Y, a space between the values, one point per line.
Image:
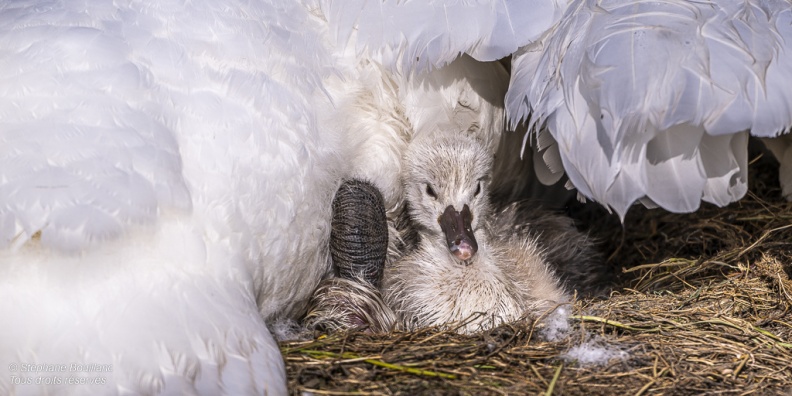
x=702 y=307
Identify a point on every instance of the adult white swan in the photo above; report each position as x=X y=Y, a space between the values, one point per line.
x=166 y=173
x=643 y=100
x=154 y=158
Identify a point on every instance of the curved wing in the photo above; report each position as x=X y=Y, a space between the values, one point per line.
x=649 y=100
x=417 y=35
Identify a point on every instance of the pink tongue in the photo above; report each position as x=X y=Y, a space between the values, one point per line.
x=463 y=250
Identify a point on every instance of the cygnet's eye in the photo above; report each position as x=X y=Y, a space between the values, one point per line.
x=430 y=191
x=478 y=189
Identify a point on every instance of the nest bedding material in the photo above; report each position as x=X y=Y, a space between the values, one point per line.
x=703 y=307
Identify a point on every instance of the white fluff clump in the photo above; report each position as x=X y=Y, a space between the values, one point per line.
x=556 y=324
x=289 y=330
x=595 y=351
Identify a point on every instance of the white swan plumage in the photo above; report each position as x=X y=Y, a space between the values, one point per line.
x=642 y=100
x=666 y=90
x=420 y=35
x=154 y=158
x=166 y=168
x=166 y=174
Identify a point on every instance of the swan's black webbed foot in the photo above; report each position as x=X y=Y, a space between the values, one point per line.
x=359 y=235
x=358 y=248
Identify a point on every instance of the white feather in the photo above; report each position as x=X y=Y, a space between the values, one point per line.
x=166 y=175
x=418 y=35
x=630 y=72
x=649 y=99
x=153 y=160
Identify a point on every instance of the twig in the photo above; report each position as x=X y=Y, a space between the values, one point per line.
x=353 y=358
x=588 y=318
x=554 y=380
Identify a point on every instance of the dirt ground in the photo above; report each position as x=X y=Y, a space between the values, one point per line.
x=702 y=307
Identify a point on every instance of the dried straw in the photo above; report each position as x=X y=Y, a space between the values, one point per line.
x=703 y=308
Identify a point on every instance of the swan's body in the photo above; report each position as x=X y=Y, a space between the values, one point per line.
x=137 y=143
x=166 y=174
x=471 y=267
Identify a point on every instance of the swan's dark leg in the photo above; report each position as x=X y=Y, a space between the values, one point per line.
x=358 y=248
x=359 y=235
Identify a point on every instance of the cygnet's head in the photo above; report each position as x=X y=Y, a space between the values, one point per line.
x=446 y=179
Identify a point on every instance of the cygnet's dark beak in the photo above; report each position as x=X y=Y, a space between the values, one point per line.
x=458 y=232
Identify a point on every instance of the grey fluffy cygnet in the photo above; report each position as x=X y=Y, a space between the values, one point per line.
x=474 y=268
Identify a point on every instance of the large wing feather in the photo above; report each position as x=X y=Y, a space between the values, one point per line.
x=420 y=34
x=648 y=99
